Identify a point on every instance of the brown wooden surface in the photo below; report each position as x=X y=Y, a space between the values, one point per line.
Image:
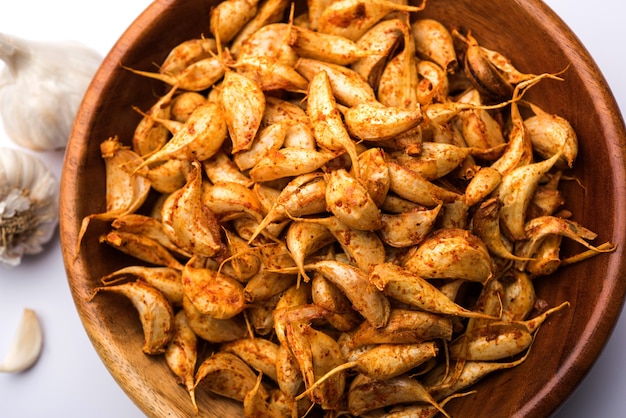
x=536 y=40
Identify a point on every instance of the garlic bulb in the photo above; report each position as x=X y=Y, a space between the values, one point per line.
x=28 y=205
x=41 y=88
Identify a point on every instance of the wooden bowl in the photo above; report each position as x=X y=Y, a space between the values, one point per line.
x=537 y=41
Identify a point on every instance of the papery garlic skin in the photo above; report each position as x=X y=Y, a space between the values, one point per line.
x=41 y=88
x=29 y=199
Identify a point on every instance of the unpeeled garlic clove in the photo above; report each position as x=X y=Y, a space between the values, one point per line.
x=27 y=344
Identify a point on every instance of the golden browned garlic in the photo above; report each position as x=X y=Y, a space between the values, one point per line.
x=351 y=217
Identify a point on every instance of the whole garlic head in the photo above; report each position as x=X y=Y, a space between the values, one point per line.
x=41 y=88
x=28 y=205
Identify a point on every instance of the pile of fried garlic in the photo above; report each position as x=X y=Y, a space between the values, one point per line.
x=353 y=203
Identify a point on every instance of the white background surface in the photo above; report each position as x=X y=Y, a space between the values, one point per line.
x=70 y=380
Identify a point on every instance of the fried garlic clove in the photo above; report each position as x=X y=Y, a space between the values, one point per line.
x=551 y=134
x=434 y=160
x=481 y=131
x=213 y=293
x=197 y=76
x=165 y=279
x=184 y=104
x=484 y=181
x=315 y=8
x=266 y=284
x=403 y=327
x=271 y=74
x=125 y=191
x=181 y=354
x=491 y=343
x=269 y=41
x=516 y=191
x=486 y=226
x=434 y=42
x=327 y=295
x=243 y=261
x=255 y=404
x=188 y=222
x=537 y=229
x=227 y=200
x=227 y=375
x=353 y=282
x=167 y=176
x=349 y=201
x=155 y=312
x=546 y=259
x=280 y=110
x=545 y=201
x=408 y=228
x=258 y=353
x=305 y=238
x=506 y=67
x=289 y=162
x=352 y=18
x=243 y=105
x=348 y=87
x=141 y=247
x=213 y=330
x=374 y=174
x=304 y=195
x=147 y=226
x=433 y=83
x=269 y=12
x=518 y=296
x=519 y=148
x=322 y=46
x=186 y=53
x=27 y=344
x=288 y=373
x=294 y=305
x=518 y=151
x=325 y=356
x=451 y=254
x=440 y=383
x=220 y=167
x=200 y=137
x=149 y=135
x=230 y=16
x=329 y=129
x=411 y=186
x=373 y=122
x=380 y=42
x=401 y=284
x=384 y=361
x=363 y=248
x=259 y=316
x=485 y=76
x=366 y=394
x=271 y=137
x=399 y=82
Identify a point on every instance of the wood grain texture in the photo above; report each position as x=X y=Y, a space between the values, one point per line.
x=537 y=41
